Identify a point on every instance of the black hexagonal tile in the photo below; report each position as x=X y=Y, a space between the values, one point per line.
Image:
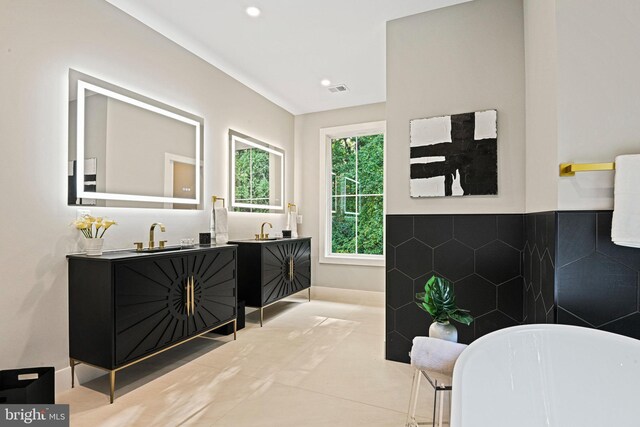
x=597 y=289
x=411 y=321
x=627 y=256
x=551 y=235
x=397 y=348
x=466 y=334
x=511 y=298
x=433 y=230
x=399 y=228
x=576 y=236
x=551 y=316
x=526 y=268
x=547 y=280
x=475 y=230
x=453 y=260
x=628 y=326
x=566 y=318
x=390 y=257
x=511 y=230
x=541 y=231
x=498 y=262
x=414 y=258
x=530 y=229
x=475 y=294
x=390 y=319
x=535 y=272
x=529 y=306
x=399 y=289
x=492 y=322
x=541 y=310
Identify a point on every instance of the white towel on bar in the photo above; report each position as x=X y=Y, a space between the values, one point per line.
x=292 y=223
x=220 y=227
x=435 y=355
x=625 y=227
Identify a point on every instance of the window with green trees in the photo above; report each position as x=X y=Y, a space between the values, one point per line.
x=357 y=200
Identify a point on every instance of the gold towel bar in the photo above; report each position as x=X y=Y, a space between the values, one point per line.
x=292 y=205
x=214 y=199
x=570 y=169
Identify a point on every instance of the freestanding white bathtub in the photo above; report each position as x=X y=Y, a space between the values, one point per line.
x=548 y=376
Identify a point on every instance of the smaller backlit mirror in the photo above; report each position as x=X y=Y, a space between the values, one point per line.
x=257 y=175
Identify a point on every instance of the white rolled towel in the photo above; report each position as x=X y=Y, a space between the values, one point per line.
x=292 y=223
x=220 y=225
x=625 y=226
x=435 y=355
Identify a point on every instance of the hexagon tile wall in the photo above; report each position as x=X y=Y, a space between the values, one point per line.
x=481 y=254
x=510 y=269
x=596 y=281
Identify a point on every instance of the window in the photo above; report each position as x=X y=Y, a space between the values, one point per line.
x=352 y=194
x=252 y=178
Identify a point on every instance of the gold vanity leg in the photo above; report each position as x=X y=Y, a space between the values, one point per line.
x=261 y=315
x=73 y=372
x=112 y=384
x=309 y=293
x=235 y=329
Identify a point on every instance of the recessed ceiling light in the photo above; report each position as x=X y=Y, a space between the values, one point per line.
x=253 y=11
x=325 y=82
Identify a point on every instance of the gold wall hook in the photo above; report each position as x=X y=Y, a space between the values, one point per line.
x=292 y=205
x=215 y=199
x=570 y=169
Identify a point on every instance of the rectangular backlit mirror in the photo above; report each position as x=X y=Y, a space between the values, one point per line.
x=128 y=150
x=257 y=175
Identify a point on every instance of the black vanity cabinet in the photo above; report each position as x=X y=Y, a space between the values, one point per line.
x=270 y=270
x=124 y=307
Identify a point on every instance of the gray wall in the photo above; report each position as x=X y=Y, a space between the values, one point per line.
x=458 y=59
x=39 y=42
x=307 y=176
x=598 y=93
x=541 y=106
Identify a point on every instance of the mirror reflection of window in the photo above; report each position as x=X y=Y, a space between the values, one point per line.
x=257 y=175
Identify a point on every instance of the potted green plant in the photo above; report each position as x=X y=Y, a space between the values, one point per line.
x=439 y=301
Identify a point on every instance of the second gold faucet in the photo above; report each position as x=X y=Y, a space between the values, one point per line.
x=263 y=236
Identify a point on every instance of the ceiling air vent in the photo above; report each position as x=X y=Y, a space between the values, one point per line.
x=338 y=88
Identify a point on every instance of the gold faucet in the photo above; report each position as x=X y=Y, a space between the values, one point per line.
x=153 y=226
x=263 y=236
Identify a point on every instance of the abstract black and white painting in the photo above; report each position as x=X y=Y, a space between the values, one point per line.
x=454 y=155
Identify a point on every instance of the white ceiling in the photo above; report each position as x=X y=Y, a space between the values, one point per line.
x=285 y=52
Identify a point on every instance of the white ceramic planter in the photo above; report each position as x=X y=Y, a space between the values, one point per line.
x=444 y=331
x=93 y=247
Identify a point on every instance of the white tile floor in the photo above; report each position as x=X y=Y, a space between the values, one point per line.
x=318 y=363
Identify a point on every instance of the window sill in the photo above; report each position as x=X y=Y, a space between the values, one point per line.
x=370 y=261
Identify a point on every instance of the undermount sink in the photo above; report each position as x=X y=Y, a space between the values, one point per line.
x=267 y=239
x=152 y=250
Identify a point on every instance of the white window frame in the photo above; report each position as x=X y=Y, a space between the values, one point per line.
x=325 y=190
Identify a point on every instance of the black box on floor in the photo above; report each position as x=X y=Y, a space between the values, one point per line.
x=228 y=328
x=28 y=385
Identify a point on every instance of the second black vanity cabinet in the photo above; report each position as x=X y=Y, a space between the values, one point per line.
x=269 y=270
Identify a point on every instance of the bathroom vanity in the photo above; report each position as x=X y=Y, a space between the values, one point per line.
x=270 y=270
x=125 y=306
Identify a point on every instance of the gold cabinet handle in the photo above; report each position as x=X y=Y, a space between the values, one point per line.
x=193 y=295
x=291 y=268
x=187 y=290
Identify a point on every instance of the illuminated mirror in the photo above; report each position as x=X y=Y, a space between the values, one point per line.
x=257 y=175
x=127 y=150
